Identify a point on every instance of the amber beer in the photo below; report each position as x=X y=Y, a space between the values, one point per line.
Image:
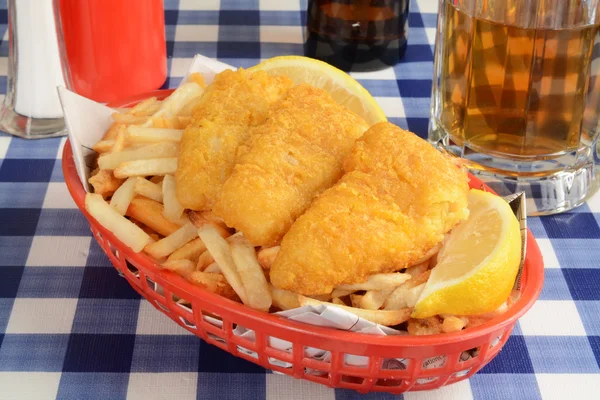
x=357 y=35
x=516 y=90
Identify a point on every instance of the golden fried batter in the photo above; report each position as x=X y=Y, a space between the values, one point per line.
x=235 y=101
x=398 y=198
x=287 y=161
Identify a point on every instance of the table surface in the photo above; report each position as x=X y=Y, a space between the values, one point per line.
x=70 y=328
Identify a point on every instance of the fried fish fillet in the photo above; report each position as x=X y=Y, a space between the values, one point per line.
x=287 y=161
x=397 y=199
x=234 y=102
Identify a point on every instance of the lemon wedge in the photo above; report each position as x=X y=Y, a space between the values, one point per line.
x=478 y=264
x=342 y=87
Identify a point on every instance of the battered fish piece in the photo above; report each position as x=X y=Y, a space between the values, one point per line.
x=235 y=101
x=398 y=198
x=287 y=161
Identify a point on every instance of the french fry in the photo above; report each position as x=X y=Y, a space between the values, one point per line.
x=122 y=197
x=111 y=133
x=266 y=256
x=413 y=295
x=173 y=210
x=159 y=123
x=128 y=119
x=198 y=79
x=119 y=140
x=188 y=109
x=418 y=269
x=427 y=326
x=355 y=299
x=201 y=221
x=402 y=296
x=190 y=251
x=429 y=254
x=341 y=292
x=200 y=218
x=169 y=244
x=454 y=324
x=214 y=268
x=397 y=299
x=145 y=107
x=150 y=151
x=251 y=274
x=177 y=100
x=219 y=249
x=149 y=213
x=374 y=299
x=284 y=299
x=184 y=121
x=139 y=134
x=145 y=188
x=153 y=166
x=180 y=267
x=338 y=301
x=104 y=182
x=381 y=317
x=418 y=280
x=204 y=260
x=104 y=146
x=125 y=230
x=215 y=283
x=378 y=282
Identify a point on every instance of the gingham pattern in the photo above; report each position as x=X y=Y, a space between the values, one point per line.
x=70 y=328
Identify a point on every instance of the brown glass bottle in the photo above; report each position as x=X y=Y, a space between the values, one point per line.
x=357 y=35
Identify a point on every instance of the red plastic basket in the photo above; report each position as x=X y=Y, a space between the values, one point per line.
x=429 y=361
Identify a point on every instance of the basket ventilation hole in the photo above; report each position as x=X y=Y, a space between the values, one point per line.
x=113 y=250
x=388 y=382
x=187 y=323
x=279 y=363
x=462 y=373
x=395 y=363
x=132 y=269
x=248 y=352
x=182 y=303
x=213 y=319
x=315 y=372
x=314 y=353
x=469 y=354
x=354 y=380
x=279 y=344
x=434 y=362
x=155 y=286
x=97 y=234
x=356 y=361
x=161 y=306
x=216 y=338
x=423 y=381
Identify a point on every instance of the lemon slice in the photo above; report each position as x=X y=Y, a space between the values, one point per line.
x=341 y=86
x=478 y=264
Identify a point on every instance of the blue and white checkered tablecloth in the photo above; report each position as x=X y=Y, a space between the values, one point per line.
x=70 y=328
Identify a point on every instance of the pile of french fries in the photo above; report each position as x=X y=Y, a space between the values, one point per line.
x=134 y=197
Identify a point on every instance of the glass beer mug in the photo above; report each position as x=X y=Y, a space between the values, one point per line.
x=516 y=94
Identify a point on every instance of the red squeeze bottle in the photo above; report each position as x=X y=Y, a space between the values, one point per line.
x=113 y=49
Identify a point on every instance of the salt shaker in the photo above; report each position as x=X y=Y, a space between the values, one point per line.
x=31 y=108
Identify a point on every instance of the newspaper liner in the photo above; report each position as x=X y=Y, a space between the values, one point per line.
x=87 y=121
